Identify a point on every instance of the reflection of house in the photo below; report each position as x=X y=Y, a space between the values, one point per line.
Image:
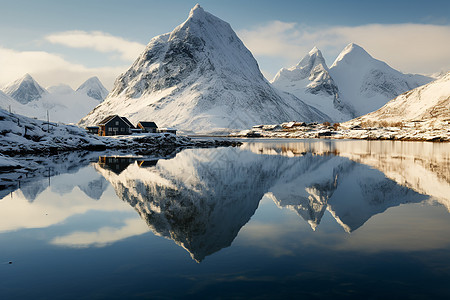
x=147 y=126
x=115 y=125
x=115 y=163
x=92 y=129
x=169 y=130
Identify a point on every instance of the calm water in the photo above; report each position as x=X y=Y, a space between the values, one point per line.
x=271 y=219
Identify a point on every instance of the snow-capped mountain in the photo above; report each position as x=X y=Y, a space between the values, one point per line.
x=199 y=78
x=365 y=83
x=62 y=103
x=354 y=85
x=93 y=88
x=426 y=104
x=310 y=81
x=25 y=90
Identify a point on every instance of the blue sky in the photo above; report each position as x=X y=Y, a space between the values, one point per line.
x=68 y=41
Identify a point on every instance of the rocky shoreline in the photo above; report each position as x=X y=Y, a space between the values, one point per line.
x=21 y=135
x=402 y=132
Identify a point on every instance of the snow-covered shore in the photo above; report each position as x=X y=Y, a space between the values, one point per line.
x=410 y=131
x=23 y=135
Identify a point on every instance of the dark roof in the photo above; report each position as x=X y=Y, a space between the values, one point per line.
x=148 y=124
x=127 y=121
x=109 y=118
x=96 y=127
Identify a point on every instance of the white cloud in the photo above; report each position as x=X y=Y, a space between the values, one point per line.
x=103 y=236
x=414 y=48
x=50 y=69
x=98 y=41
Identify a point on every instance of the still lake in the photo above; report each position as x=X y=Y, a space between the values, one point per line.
x=270 y=219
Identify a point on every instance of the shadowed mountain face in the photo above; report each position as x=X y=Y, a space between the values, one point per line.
x=203 y=197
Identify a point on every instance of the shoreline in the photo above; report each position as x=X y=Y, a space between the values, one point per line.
x=297 y=130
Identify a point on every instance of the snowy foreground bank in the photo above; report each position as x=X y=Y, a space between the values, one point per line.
x=412 y=131
x=23 y=135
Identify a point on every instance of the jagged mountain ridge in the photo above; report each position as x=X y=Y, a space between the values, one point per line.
x=356 y=82
x=200 y=78
x=313 y=68
x=25 y=90
x=310 y=80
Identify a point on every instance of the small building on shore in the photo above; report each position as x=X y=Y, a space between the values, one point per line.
x=147 y=126
x=115 y=125
x=92 y=129
x=168 y=130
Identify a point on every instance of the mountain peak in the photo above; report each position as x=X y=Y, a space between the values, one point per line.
x=25 y=89
x=199 y=78
x=196 y=12
x=93 y=88
x=315 y=50
x=311 y=60
x=27 y=77
x=353 y=53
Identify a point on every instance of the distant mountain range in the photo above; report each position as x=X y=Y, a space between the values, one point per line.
x=200 y=78
x=26 y=97
x=356 y=83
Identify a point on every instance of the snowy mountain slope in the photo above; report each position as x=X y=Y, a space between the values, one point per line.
x=60 y=89
x=25 y=90
x=63 y=105
x=6 y=103
x=93 y=88
x=365 y=83
x=310 y=81
x=429 y=103
x=199 y=78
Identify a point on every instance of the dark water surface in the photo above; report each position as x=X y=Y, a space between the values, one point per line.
x=271 y=219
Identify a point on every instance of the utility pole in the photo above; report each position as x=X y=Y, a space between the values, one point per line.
x=48 y=122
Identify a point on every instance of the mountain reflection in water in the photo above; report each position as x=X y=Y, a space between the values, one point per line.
x=201 y=198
